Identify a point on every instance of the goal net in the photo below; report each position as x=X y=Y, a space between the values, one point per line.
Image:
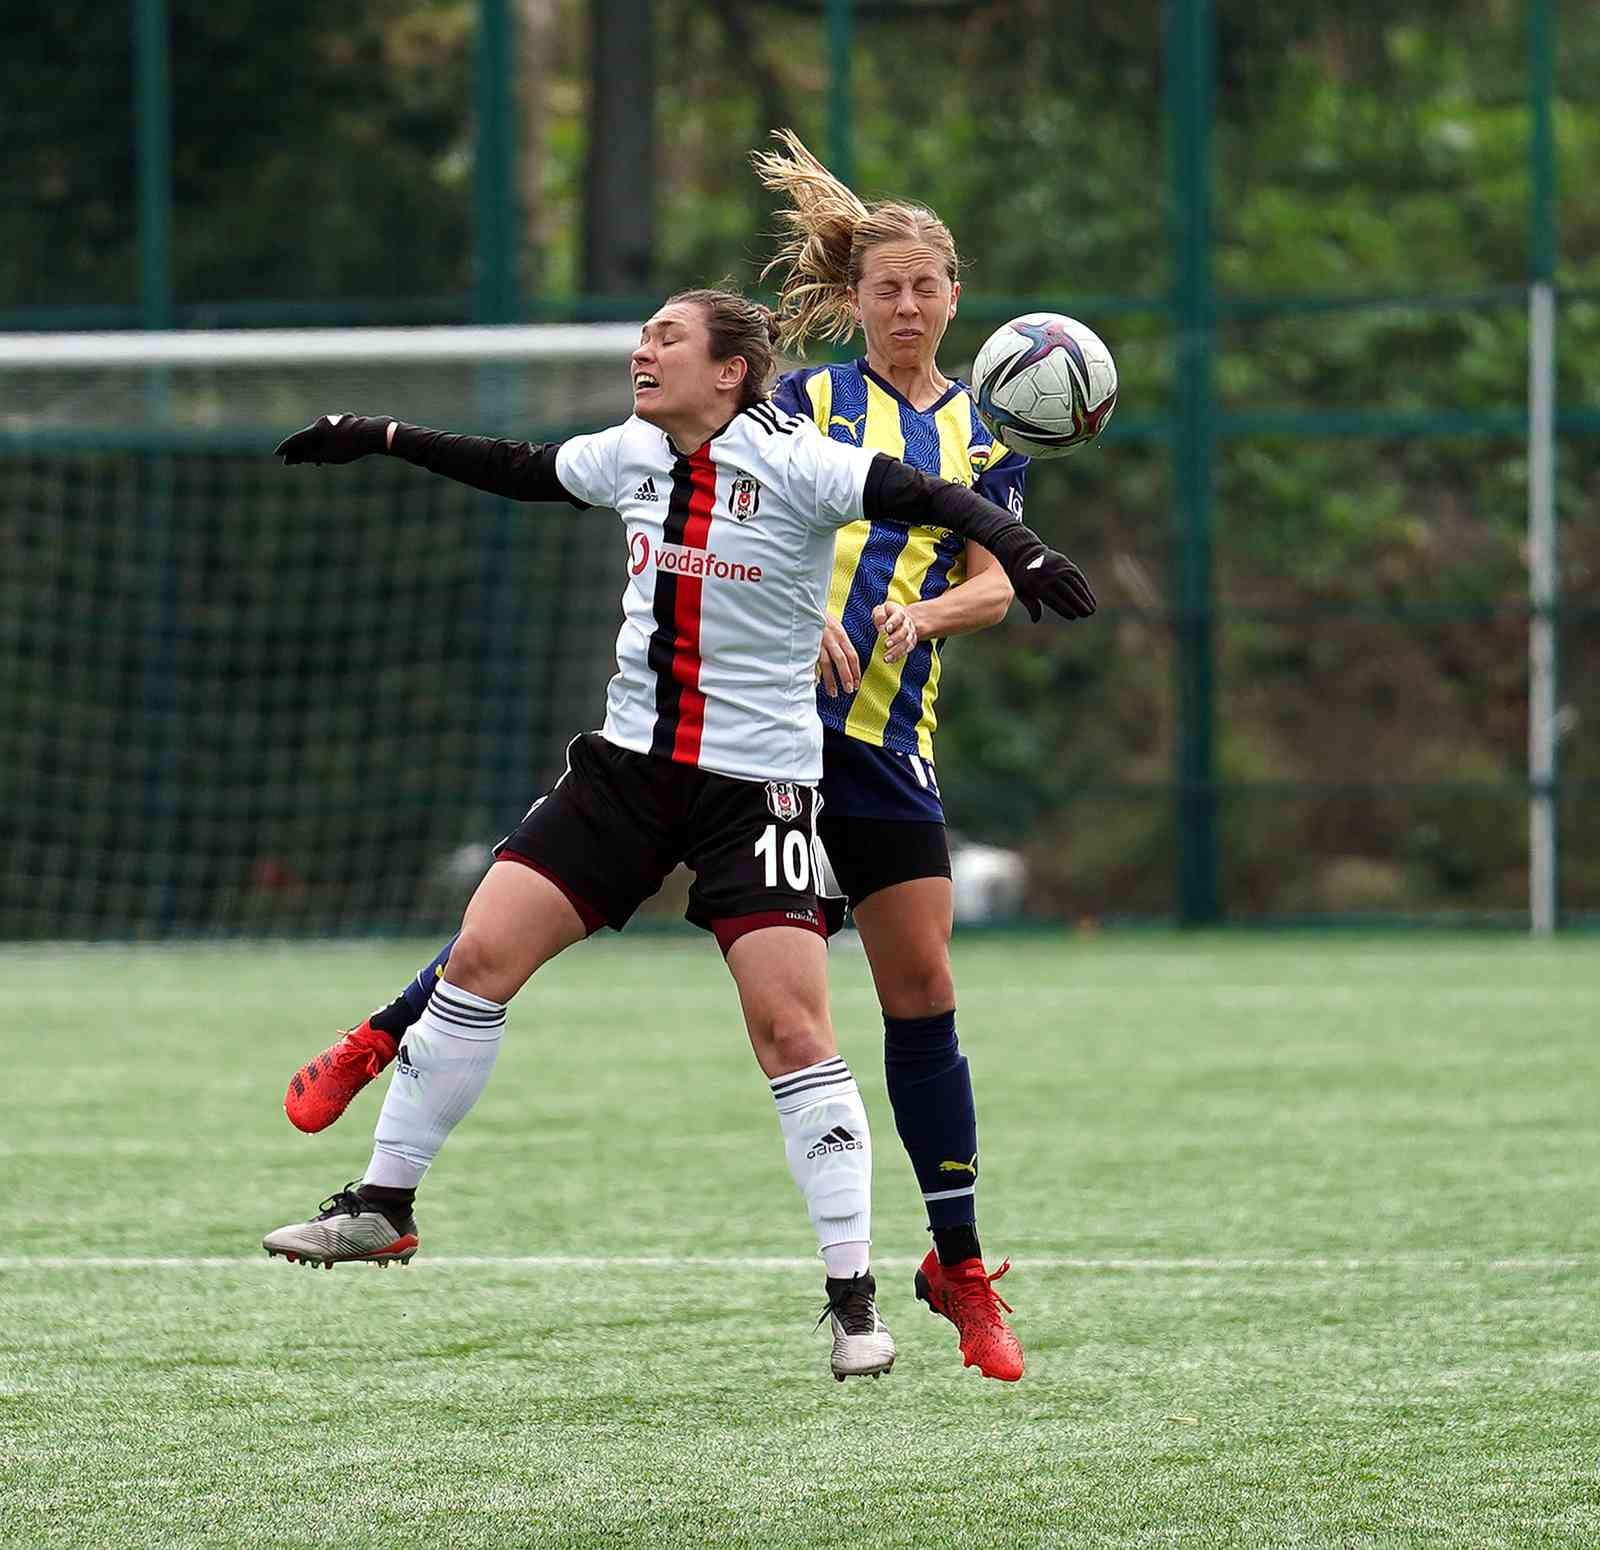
x=239 y=696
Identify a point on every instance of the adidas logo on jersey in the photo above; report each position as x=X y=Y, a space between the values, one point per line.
x=647 y=490
x=837 y=1140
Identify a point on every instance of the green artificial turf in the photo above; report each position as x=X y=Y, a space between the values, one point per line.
x=1303 y=1232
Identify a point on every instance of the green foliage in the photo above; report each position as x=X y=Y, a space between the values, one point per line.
x=311 y=161
x=1377 y=149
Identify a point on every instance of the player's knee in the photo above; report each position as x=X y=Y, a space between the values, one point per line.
x=794 y=1039
x=919 y=987
x=476 y=964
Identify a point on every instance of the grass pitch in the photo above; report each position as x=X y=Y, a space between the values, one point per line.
x=1303 y=1232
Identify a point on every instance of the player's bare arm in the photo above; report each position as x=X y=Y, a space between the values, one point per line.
x=1043 y=577
x=977 y=603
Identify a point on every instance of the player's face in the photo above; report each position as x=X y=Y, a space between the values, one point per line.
x=904 y=300
x=675 y=381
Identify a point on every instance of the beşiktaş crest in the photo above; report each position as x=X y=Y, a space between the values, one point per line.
x=783 y=800
x=744 y=496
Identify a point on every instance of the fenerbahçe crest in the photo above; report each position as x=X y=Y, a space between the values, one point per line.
x=783 y=800
x=744 y=497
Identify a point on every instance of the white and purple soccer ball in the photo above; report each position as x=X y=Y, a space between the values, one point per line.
x=1044 y=384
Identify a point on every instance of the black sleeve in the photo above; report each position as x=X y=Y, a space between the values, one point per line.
x=896 y=492
x=522 y=470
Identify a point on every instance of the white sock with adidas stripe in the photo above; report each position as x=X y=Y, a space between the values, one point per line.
x=442 y=1065
x=829 y=1147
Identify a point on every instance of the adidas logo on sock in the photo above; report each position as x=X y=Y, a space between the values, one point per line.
x=404 y=1066
x=647 y=491
x=837 y=1140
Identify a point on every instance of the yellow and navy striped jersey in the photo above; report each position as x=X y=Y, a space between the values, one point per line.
x=878 y=562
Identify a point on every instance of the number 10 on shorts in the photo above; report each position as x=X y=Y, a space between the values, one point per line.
x=798 y=861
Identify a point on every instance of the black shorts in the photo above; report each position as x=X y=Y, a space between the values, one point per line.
x=617 y=822
x=869 y=854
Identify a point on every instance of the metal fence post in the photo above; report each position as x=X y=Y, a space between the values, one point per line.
x=505 y=757
x=841 y=17
x=1188 y=92
x=495 y=226
x=1544 y=584
x=152 y=110
x=159 y=698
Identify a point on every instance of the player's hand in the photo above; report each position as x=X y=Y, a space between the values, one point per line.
x=336 y=438
x=1046 y=579
x=837 y=662
x=898 y=629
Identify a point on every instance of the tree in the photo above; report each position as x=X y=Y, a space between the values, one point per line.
x=619 y=182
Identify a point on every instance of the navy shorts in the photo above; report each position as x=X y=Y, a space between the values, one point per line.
x=881 y=819
x=860 y=780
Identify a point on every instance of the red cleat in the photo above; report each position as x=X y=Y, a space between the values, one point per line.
x=965 y=1295
x=321 y=1090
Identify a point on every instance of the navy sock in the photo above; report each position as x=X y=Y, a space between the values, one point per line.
x=954 y=1244
x=930 y=1090
x=412 y=1002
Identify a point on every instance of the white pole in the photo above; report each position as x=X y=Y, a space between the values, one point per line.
x=1543 y=725
x=317 y=346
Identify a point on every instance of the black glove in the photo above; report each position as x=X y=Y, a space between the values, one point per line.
x=1045 y=579
x=336 y=438
x=896 y=492
x=1041 y=577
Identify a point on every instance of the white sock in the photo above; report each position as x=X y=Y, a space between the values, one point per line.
x=442 y=1065
x=829 y=1147
x=843 y=1260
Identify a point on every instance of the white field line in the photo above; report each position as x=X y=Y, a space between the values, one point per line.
x=1202 y=1264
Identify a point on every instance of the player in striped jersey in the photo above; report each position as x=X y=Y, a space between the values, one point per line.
x=891 y=271
x=709 y=753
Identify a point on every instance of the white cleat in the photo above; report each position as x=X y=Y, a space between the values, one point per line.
x=862 y=1344
x=348 y=1229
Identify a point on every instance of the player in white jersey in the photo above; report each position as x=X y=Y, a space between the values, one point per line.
x=709 y=754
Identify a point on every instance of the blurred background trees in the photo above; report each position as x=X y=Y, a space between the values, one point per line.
x=323 y=170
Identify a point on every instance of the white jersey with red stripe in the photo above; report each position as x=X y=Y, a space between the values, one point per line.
x=730 y=552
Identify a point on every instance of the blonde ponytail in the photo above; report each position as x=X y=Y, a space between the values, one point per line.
x=814 y=261
x=829 y=231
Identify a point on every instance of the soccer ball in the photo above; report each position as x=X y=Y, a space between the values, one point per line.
x=1044 y=384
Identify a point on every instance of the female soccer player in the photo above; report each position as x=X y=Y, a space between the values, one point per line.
x=709 y=755
x=891 y=271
